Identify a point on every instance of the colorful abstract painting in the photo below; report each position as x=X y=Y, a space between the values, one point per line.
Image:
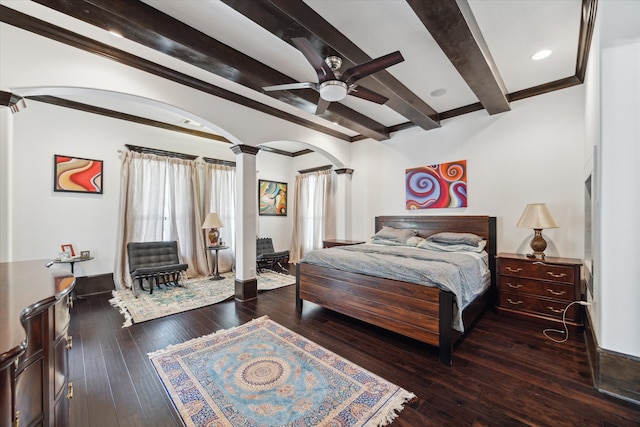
x=437 y=186
x=77 y=175
x=272 y=197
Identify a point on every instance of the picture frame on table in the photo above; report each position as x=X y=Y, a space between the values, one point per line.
x=68 y=248
x=85 y=254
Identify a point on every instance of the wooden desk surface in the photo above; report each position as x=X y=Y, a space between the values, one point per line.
x=23 y=285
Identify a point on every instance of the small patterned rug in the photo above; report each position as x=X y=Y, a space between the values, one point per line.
x=194 y=293
x=263 y=374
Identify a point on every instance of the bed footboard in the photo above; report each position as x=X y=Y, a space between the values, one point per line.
x=408 y=309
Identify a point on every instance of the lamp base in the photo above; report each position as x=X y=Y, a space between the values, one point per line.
x=538 y=244
x=214 y=235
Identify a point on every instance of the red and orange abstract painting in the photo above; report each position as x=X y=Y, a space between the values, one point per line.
x=77 y=175
x=437 y=186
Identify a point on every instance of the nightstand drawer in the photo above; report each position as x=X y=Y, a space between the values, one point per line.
x=535 y=305
x=537 y=270
x=538 y=288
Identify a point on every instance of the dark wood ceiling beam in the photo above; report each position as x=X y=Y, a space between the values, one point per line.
x=45 y=29
x=294 y=18
x=587 y=25
x=454 y=28
x=145 y=25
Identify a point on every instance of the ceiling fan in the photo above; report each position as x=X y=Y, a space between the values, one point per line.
x=334 y=86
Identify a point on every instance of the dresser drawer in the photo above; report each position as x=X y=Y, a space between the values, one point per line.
x=541 y=306
x=537 y=270
x=565 y=292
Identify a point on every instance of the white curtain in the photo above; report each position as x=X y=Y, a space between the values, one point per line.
x=220 y=197
x=313 y=212
x=159 y=201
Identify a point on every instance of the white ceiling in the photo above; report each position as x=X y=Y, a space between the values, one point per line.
x=512 y=29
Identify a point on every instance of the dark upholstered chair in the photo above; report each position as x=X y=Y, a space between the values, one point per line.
x=267 y=257
x=155 y=261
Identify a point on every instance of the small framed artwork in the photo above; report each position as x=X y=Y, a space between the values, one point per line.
x=85 y=254
x=68 y=248
x=272 y=198
x=77 y=175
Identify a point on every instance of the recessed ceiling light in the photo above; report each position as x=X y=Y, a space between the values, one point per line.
x=438 y=92
x=541 y=54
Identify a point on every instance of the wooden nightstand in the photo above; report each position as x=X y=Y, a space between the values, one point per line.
x=329 y=243
x=540 y=289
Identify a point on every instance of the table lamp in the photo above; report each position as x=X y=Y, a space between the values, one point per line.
x=537 y=216
x=213 y=223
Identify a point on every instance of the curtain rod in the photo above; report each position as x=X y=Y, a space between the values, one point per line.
x=165 y=153
x=319 y=168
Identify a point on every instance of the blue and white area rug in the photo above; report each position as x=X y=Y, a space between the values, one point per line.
x=194 y=293
x=263 y=374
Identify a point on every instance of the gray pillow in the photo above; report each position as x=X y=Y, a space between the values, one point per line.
x=394 y=234
x=448 y=247
x=455 y=238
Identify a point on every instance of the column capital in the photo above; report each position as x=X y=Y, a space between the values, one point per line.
x=246 y=149
x=11 y=100
x=343 y=171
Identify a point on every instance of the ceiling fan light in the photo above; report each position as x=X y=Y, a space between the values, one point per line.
x=333 y=90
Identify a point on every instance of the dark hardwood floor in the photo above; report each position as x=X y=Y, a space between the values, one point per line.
x=505 y=373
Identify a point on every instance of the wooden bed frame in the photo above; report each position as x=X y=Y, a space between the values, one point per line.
x=420 y=312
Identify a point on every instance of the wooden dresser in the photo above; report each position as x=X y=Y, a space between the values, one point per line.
x=540 y=289
x=34 y=345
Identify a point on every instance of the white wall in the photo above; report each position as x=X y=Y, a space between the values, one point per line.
x=276 y=167
x=533 y=153
x=619 y=269
x=42 y=219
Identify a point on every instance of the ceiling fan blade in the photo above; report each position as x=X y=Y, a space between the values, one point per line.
x=369 y=95
x=357 y=72
x=323 y=104
x=290 y=86
x=314 y=58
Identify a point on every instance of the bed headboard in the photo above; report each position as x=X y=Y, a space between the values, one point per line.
x=484 y=226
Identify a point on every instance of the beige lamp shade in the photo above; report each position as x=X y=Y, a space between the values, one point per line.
x=537 y=216
x=213 y=222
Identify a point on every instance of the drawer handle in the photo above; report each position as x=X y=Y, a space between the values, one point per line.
x=556 y=292
x=69 y=342
x=557 y=275
x=514 y=302
x=555 y=310
x=514 y=270
x=70 y=391
x=512 y=286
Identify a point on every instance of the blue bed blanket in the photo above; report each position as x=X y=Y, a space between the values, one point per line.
x=465 y=274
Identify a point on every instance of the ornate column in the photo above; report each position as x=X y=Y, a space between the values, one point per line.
x=343 y=203
x=9 y=103
x=246 y=284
